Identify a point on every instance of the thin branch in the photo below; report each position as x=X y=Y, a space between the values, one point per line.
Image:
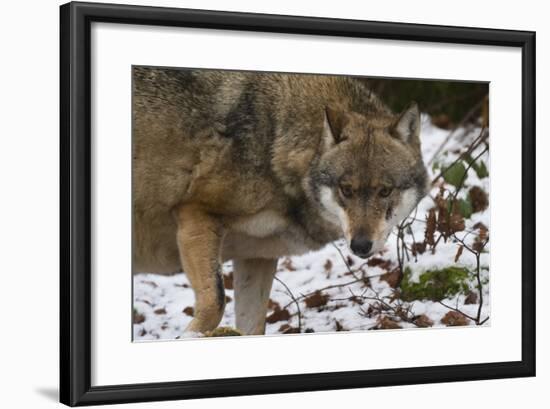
x=295 y=301
x=401 y=312
x=457 y=310
x=484 y=321
x=345 y=261
x=341 y=285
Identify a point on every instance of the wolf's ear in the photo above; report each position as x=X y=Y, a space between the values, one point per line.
x=335 y=121
x=407 y=126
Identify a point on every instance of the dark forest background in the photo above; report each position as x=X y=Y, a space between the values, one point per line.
x=449 y=103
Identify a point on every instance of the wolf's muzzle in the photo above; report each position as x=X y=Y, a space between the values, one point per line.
x=361 y=246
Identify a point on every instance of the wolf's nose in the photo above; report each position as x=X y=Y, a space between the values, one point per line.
x=361 y=246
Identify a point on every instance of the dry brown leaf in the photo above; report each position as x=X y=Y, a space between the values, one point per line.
x=278 y=315
x=386 y=322
x=471 y=298
x=478 y=199
x=379 y=262
x=483 y=233
x=423 y=321
x=228 y=281
x=317 y=299
x=393 y=278
x=430 y=227
x=457 y=223
x=418 y=248
x=481 y=240
x=273 y=305
x=454 y=319
x=138 y=318
x=459 y=252
x=284 y=327
x=480 y=225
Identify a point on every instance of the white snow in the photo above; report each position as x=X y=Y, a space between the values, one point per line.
x=159 y=301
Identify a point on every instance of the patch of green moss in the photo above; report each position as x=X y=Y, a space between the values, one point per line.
x=435 y=285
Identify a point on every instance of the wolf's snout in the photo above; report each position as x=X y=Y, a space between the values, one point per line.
x=361 y=246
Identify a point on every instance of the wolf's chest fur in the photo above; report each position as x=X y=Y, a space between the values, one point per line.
x=259 y=235
x=270 y=234
x=263 y=224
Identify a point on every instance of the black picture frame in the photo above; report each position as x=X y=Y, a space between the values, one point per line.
x=76 y=198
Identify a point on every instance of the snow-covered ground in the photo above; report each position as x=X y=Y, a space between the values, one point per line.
x=336 y=291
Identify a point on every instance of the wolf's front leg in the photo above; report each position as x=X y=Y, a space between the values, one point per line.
x=252 y=282
x=199 y=237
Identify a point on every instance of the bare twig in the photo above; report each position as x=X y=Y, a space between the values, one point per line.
x=402 y=311
x=484 y=321
x=477 y=254
x=459 y=311
x=400 y=251
x=330 y=287
x=295 y=301
x=345 y=261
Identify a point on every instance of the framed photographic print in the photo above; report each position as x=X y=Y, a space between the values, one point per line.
x=262 y=204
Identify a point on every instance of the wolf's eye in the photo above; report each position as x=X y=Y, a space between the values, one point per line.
x=346 y=190
x=385 y=191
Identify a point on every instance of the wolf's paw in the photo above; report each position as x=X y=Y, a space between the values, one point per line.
x=223 y=332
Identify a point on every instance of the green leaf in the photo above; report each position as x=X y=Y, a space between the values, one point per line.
x=465 y=207
x=455 y=174
x=481 y=170
x=479 y=167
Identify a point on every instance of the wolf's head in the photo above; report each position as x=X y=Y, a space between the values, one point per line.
x=370 y=176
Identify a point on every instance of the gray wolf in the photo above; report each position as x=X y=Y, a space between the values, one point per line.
x=250 y=167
